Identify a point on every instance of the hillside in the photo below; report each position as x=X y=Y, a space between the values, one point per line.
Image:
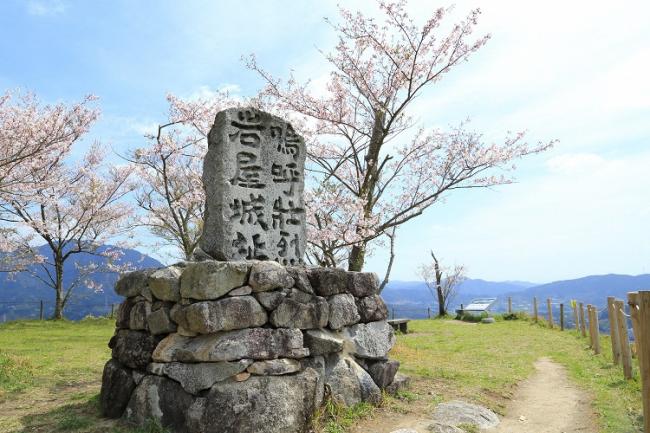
x=21 y=294
x=590 y=289
x=50 y=375
x=411 y=299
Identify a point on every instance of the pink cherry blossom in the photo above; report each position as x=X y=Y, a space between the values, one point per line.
x=170 y=191
x=33 y=137
x=72 y=208
x=373 y=170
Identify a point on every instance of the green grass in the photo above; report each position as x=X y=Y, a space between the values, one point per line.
x=43 y=358
x=483 y=363
x=335 y=418
x=60 y=355
x=16 y=373
x=480 y=363
x=52 y=354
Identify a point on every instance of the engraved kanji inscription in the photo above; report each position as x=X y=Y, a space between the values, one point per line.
x=251 y=211
x=287 y=174
x=287 y=141
x=249 y=249
x=253 y=176
x=286 y=245
x=248 y=174
x=284 y=215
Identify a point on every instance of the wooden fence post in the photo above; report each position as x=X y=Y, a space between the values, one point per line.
x=393 y=313
x=594 y=311
x=40 y=315
x=613 y=330
x=583 y=326
x=561 y=317
x=643 y=313
x=633 y=302
x=576 y=319
x=535 y=315
x=509 y=305
x=429 y=312
x=112 y=311
x=550 y=312
x=593 y=328
x=626 y=355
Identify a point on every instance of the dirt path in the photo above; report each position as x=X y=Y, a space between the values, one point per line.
x=548 y=403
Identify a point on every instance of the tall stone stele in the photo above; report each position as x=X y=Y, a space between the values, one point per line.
x=245 y=338
x=253 y=176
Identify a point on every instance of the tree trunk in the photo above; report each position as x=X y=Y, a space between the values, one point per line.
x=442 y=311
x=441 y=302
x=58 y=307
x=357 y=258
x=59 y=303
x=358 y=253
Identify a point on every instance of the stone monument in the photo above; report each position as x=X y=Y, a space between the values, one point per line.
x=253 y=175
x=246 y=338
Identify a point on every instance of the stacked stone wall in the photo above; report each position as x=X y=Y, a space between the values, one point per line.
x=222 y=347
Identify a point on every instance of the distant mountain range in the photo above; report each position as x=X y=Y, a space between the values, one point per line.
x=415 y=294
x=20 y=296
x=412 y=299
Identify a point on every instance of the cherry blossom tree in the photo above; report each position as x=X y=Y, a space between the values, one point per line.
x=376 y=167
x=170 y=192
x=33 y=137
x=442 y=282
x=75 y=209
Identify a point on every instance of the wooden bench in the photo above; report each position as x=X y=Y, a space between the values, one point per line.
x=400 y=325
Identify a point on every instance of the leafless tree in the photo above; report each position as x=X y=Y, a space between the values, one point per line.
x=442 y=282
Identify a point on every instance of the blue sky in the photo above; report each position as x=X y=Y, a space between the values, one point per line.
x=574 y=71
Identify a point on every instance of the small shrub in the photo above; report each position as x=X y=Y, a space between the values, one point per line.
x=517 y=315
x=406 y=395
x=336 y=418
x=473 y=317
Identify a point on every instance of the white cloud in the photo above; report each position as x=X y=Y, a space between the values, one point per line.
x=141 y=127
x=570 y=164
x=45 y=8
x=568 y=70
x=586 y=215
x=581 y=79
x=575 y=71
x=208 y=92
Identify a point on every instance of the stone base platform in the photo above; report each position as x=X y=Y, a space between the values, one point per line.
x=216 y=347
